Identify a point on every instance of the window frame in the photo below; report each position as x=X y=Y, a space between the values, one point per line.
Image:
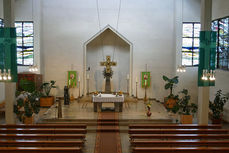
x=193 y=38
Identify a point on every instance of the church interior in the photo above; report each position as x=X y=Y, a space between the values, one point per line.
x=114 y=76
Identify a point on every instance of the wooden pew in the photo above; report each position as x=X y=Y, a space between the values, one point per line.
x=181 y=150
x=42 y=136
x=174 y=126
x=179 y=143
x=40 y=150
x=41 y=143
x=179 y=136
x=78 y=126
x=42 y=131
x=178 y=131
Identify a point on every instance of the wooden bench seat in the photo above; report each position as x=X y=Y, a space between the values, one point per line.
x=42 y=131
x=179 y=136
x=41 y=143
x=42 y=136
x=78 y=126
x=174 y=126
x=179 y=143
x=178 y=131
x=40 y=150
x=181 y=150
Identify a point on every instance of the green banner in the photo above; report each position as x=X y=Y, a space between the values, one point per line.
x=207 y=56
x=72 y=79
x=145 y=79
x=8 y=55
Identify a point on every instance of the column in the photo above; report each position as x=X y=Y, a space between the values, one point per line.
x=203 y=92
x=10 y=87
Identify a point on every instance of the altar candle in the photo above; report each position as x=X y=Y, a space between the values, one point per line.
x=79 y=79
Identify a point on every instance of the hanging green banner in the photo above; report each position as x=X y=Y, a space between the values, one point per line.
x=207 y=57
x=145 y=79
x=8 y=56
x=72 y=79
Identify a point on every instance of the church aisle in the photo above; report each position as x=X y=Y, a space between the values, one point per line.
x=108 y=136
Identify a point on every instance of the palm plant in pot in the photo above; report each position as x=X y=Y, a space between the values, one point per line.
x=217 y=105
x=27 y=104
x=46 y=100
x=171 y=100
x=184 y=109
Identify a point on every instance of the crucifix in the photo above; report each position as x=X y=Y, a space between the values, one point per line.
x=108 y=72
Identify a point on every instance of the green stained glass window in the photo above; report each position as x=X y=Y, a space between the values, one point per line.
x=24 y=30
x=190 y=43
x=221 y=26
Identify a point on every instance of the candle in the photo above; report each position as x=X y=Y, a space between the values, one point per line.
x=79 y=79
x=137 y=79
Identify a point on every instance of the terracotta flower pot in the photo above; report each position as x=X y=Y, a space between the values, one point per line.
x=170 y=103
x=46 y=101
x=148 y=113
x=28 y=120
x=216 y=121
x=186 y=119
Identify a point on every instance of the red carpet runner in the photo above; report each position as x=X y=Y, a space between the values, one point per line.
x=108 y=137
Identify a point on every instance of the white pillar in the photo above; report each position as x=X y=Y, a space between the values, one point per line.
x=10 y=87
x=203 y=92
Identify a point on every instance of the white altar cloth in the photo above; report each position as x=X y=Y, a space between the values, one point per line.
x=107 y=98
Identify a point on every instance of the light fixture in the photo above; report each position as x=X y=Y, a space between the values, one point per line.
x=181 y=68
x=5 y=75
x=208 y=75
x=33 y=68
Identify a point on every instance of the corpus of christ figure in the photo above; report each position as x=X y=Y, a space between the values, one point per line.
x=108 y=72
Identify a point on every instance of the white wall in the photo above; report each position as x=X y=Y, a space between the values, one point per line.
x=149 y=25
x=108 y=44
x=189 y=13
x=220 y=10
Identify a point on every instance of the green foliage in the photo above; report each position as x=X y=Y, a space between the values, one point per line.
x=170 y=84
x=27 y=104
x=26 y=85
x=217 y=105
x=182 y=104
x=47 y=86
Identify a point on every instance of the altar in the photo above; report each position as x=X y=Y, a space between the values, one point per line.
x=99 y=99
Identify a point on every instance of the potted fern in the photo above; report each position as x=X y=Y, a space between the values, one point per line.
x=217 y=105
x=171 y=100
x=46 y=100
x=184 y=109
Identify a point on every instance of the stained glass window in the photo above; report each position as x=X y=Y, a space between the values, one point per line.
x=190 y=44
x=1 y=22
x=25 y=53
x=221 y=26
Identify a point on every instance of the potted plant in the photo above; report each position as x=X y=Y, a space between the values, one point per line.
x=171 y=100
x=184 y=109
x=27 y=104
x=217 y=105
x=148 y=106
x=46 y=100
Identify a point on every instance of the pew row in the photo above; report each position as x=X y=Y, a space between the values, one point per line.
x=181 y=150
x=180 y=143
x=178 y=136
x=42 y=131
x=177 y=131
x=40 y=149
x=174 y=126
x=78 y=126
x=41 y=143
